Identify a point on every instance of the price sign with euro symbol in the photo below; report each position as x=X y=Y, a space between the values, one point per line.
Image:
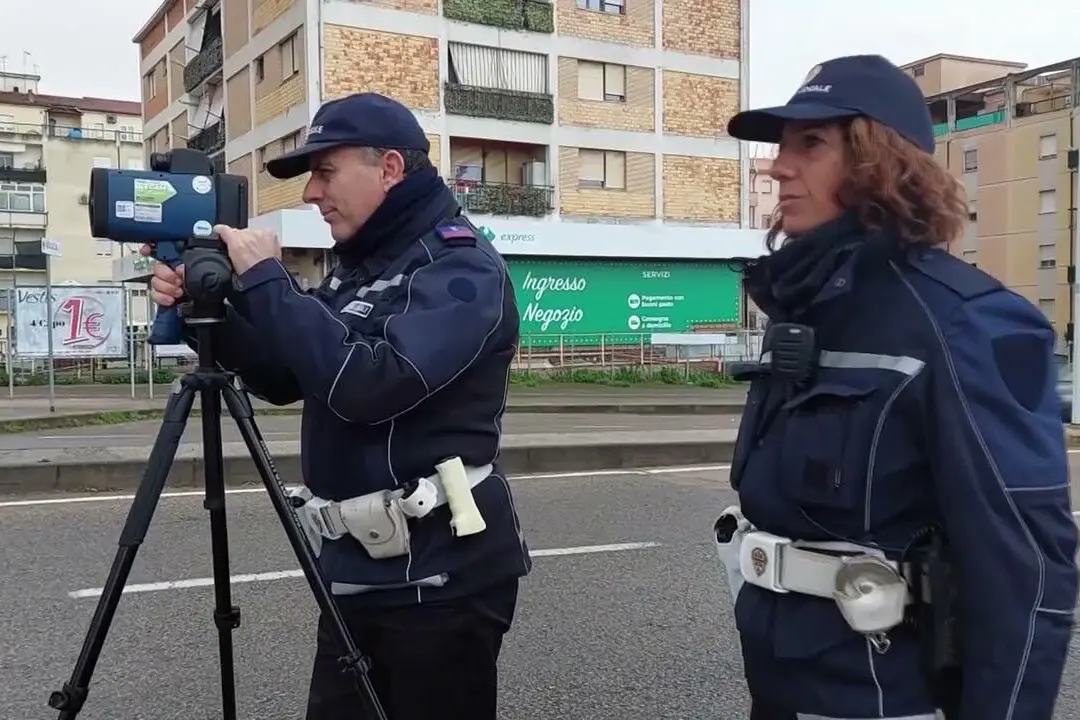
x=85 y=322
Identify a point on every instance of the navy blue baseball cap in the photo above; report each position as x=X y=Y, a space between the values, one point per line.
x=364 y=120
x=856 y=85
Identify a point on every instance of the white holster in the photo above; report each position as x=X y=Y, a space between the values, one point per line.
x=380 y=520
x=868 y=589
x=728 y=533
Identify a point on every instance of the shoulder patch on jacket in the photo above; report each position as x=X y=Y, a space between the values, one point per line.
x=456 y=234
x=962 y=278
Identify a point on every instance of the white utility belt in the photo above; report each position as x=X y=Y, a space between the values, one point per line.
x=379 y=520
x=868 y=589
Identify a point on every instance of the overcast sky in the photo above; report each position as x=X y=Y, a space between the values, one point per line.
x=84 y=48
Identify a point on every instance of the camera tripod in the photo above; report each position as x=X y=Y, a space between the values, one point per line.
x=208 y=272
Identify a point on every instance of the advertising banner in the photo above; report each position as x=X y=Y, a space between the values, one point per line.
x=621 y=300
x=87 y=322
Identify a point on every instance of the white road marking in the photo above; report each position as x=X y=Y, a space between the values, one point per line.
x=127 y=497
x=292 y=574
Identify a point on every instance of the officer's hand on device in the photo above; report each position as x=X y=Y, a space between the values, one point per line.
x=249 y=247
x=167 y=284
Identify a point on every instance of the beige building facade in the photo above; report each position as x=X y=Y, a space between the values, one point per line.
x=573 y=111
x=48 y=146
x=1011 y=134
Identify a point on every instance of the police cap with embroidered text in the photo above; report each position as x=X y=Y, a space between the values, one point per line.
x=844 y=87
x=363 y=120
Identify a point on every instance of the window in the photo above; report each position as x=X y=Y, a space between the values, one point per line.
x=1047 y=256
x=150 y=84
x=22 y=197
x=1047 y=307
x=259 y=69
x=615 y=7
x=7 y=123
x=1047 y=202
x=289 y=142
x=282 y=146
x=765 y=186
x=766 y=221
x=602 y=169
x=7 y=160
x=1047 y=146
x=918 y=71
x=134 y=164
x=102 y=162
x=128 y=133
x=289 y=64
x=601 y=81
x=971 y=160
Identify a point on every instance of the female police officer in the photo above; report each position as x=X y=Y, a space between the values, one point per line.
x=902 y=395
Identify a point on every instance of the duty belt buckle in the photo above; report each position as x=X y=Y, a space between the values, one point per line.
x=317 y=511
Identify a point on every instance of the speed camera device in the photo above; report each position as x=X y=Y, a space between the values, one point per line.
x=173 y=207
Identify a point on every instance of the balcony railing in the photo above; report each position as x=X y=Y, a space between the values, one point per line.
x=209 y=140
x=505 y=199
x=532 y=15
x=209 y=60
x=33 y=133
x=498 y=104
x=28 y=175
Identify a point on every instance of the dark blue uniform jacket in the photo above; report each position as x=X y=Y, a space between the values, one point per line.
x=402 y=358
x=935 y=402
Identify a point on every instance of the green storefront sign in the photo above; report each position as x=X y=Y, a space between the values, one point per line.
x=625 y=301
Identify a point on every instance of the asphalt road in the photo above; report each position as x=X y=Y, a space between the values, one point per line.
x=141 y=434
x=585 y=644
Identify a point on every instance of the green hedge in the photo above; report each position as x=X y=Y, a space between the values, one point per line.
x=531 y=15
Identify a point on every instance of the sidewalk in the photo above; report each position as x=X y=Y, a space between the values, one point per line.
x=33 y=402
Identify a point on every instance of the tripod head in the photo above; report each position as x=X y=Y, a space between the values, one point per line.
x=207 y=280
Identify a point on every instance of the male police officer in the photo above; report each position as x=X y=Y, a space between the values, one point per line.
x=401 y=357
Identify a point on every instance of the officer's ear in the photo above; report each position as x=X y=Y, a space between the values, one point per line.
x=393 y=168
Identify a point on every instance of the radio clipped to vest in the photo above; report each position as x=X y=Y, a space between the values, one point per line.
x=791 y=352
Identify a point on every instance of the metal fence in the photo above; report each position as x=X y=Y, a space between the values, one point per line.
x=690 y=351
x=138 y=364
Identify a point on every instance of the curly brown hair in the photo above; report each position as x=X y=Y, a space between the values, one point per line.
x=890 y=181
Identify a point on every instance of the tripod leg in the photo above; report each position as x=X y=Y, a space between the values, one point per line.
x=69 y=700
x=352 y=660
x=226 y=615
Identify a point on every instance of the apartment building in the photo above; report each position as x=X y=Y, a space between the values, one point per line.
x=764 y=193
x=581 y=129
x=48 y=145
x=1010 y=134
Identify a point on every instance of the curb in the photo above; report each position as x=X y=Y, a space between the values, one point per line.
x=61 y=421
x=519 y=458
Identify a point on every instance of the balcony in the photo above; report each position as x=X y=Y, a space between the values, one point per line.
x=505 y=199
x=531 y=15
x=482 y=102
x=209 y=61
x=23 y=175
x=210 y=139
